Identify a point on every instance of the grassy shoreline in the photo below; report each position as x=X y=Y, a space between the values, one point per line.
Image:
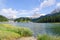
x=10 y=32
x=47 y=37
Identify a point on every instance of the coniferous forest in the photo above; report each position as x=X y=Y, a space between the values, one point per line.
x=49 y=18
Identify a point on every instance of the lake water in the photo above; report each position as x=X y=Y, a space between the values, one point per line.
x=39 y=28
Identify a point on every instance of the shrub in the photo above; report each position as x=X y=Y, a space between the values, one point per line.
x=25 y=32
x=20 y=30
x=47 y=37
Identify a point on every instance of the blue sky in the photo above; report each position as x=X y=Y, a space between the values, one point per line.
x=27 y=8
x=22 y=4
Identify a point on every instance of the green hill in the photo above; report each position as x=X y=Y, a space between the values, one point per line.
x=49 y=18
x=22 y=19
x=3 y=18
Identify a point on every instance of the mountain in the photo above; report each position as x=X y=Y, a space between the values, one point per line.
x=54 y=16
x=36 y=15
x=3 y=18
x=56 y=10
x=22 y=19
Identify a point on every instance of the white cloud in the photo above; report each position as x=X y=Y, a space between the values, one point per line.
x=11 y=13
x=36 y=15
x=58 y=4
x=45 y=3
x=24 y=12
x=57 y=9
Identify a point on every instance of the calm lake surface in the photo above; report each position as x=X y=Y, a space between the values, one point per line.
x=38 y=28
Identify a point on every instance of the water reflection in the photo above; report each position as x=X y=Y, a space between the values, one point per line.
x=40 y=28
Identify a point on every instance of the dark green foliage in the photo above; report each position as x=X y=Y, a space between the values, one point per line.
x=55 y=30
x=3 y=19
x=43 y=37
x=22 y=19
x=54 y=17
x=24 y=32
x=47 y=37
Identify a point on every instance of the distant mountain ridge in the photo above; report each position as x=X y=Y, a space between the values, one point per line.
x=56 y=10
x=52 y=17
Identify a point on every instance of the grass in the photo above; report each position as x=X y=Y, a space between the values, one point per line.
x=8 y=32
x=47 y=37
x=6 y=35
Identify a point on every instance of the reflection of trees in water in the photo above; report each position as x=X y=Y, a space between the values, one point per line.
x=54 y=29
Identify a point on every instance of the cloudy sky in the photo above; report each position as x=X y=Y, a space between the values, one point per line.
x=26 y=8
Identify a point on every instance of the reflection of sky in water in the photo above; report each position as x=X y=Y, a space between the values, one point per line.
x=35 y=27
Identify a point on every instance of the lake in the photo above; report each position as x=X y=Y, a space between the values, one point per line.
x=40 y=28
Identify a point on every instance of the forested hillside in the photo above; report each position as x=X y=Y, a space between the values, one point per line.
x=3 y=19
x=22 y=19
x=52 y=17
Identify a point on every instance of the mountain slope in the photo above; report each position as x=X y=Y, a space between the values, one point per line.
x=53 y=17
x=22 y=19
x=2 y=18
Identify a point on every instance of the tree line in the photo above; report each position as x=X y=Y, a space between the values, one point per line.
x=3 y=18
x=53 y=17
x=49 y=18
x=22 y=19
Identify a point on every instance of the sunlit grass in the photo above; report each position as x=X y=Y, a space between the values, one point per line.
x=47 y=37
x=7 y=35
x=8 y=31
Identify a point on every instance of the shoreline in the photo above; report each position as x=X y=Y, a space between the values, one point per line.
x=27 y=38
